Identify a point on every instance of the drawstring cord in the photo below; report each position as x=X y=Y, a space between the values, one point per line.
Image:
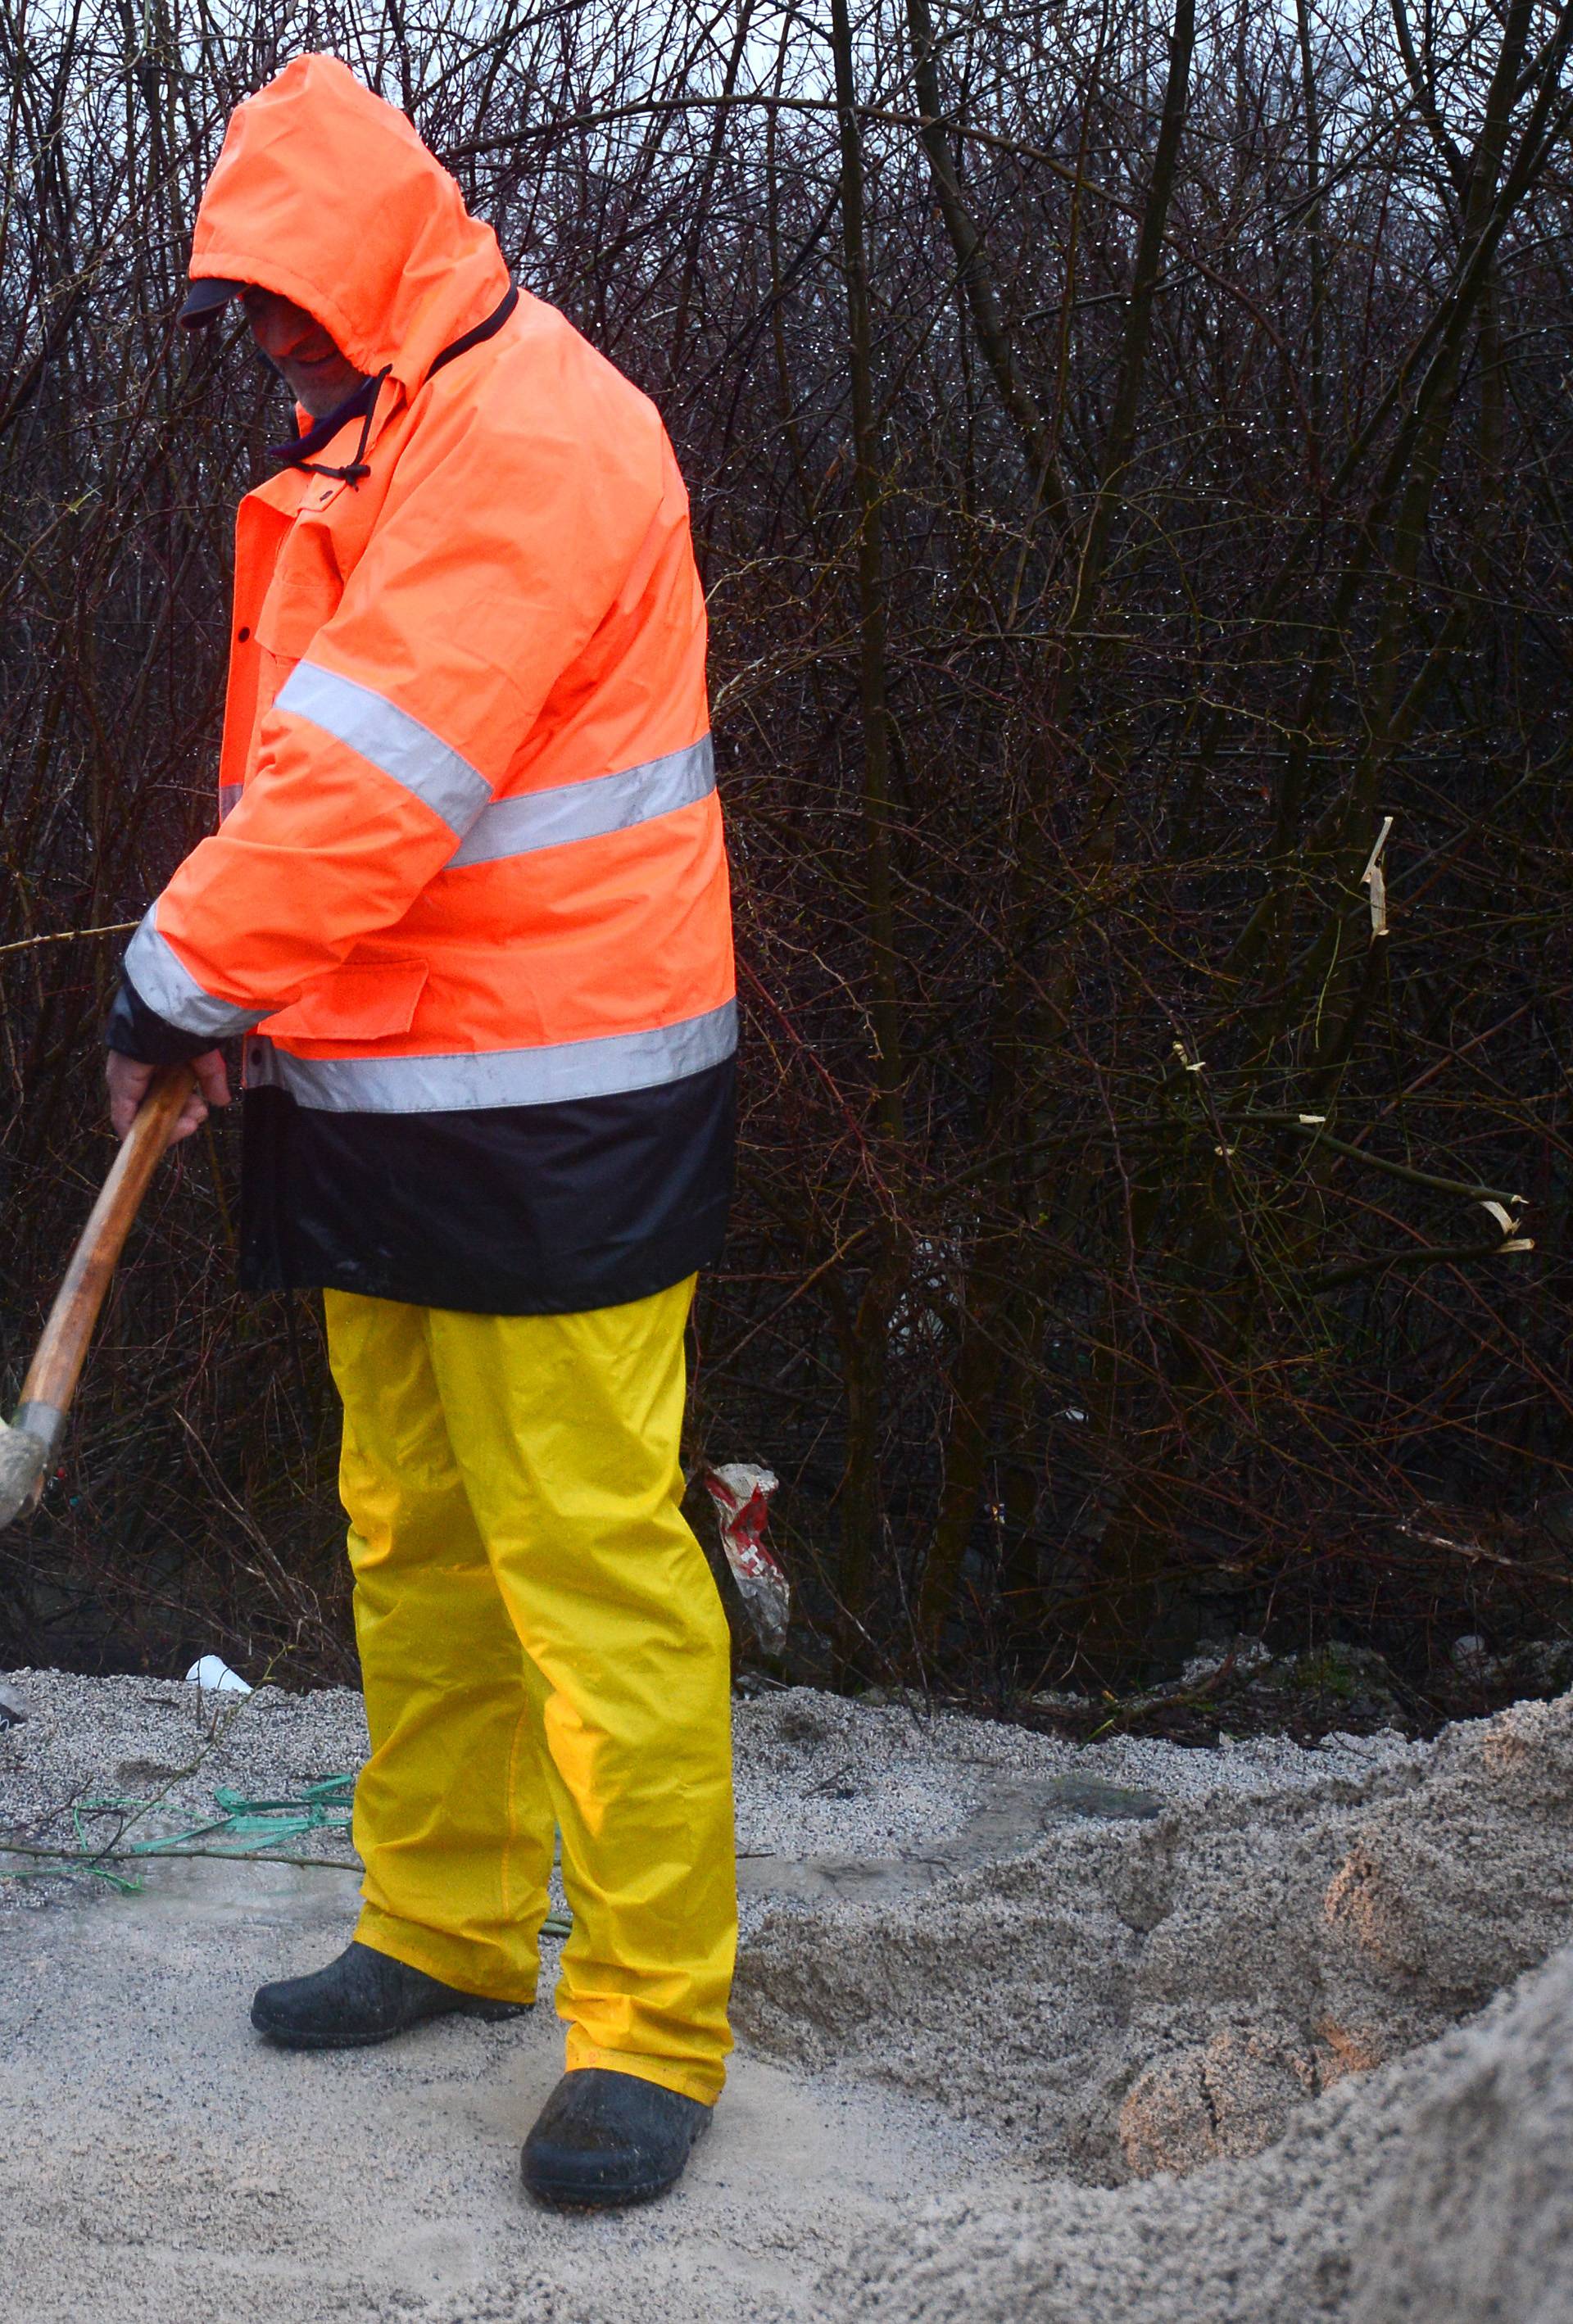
x=328 y=427
x=357 y=467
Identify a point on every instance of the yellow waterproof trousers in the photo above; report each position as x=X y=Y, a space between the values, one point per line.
x=542 y=1644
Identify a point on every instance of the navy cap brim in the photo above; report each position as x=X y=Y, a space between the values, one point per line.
x=208 y=300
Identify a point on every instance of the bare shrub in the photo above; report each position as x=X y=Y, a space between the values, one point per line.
x=1130 y=463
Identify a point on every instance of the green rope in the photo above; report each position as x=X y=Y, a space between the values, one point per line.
x=253 y=1824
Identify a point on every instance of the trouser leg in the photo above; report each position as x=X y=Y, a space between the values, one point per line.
x=566 y=1431
x=452 y=1817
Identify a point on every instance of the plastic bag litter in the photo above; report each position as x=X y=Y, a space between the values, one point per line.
x=215 y=1673
x=741 y=1492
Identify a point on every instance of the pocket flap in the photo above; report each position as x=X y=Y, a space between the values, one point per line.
x=368 y=1000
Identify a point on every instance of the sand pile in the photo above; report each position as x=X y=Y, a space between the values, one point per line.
x=1135 y=1996
x=1436 y=2190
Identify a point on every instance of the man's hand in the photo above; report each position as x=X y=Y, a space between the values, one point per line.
x=128 y=1085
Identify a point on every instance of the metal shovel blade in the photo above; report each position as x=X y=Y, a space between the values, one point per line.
x=27 y=1446
x=24 y=1458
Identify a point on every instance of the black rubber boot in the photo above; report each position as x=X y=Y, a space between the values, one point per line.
x=363 y=1997
x=604 y=2139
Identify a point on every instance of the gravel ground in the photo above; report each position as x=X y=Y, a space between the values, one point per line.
x=818 y=1776
x=1013 y=2012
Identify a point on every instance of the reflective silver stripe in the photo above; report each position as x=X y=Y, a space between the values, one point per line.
x=171 y=989
x=228 y=798
x=393 y=742
x=517 y=826
x=465 y=1082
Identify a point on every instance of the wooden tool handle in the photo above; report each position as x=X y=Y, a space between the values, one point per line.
x=51 y=1379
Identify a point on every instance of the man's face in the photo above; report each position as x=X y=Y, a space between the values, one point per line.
x=318 y=375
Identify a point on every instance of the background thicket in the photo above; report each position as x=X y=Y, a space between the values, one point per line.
x=1130 y=457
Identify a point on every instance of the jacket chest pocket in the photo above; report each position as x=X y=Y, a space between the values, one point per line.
x=301 y=597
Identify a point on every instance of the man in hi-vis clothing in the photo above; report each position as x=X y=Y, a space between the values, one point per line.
x=467 y=901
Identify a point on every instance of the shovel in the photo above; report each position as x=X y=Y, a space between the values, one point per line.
x=27 y=1446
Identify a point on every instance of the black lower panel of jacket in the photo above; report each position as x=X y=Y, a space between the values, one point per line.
x=539 y=1210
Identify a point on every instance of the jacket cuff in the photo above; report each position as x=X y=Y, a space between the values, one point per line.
x=134 y=1030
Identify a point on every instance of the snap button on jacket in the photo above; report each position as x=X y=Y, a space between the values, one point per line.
x=468 y=894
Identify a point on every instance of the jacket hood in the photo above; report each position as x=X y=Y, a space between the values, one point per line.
x=324 y=193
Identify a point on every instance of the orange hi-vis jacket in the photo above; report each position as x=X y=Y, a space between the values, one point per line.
x=468 y=894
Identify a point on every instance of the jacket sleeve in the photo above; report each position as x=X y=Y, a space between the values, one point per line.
x=494 y=558
x=134 y=1030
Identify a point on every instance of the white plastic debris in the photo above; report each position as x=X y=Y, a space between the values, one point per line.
x=1471 y=1657
x=741 y=1492
x=215 y=1673
x=13 y=1707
